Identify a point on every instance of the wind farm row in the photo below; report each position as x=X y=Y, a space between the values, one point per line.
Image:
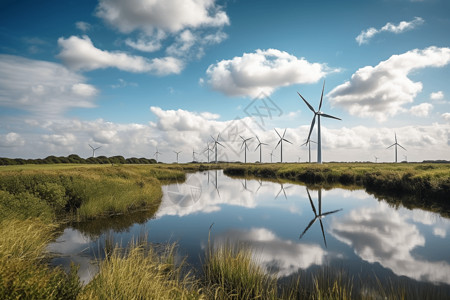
x=213 y=143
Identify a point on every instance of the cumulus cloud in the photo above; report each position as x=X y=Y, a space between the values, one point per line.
x=382 y=235
x=439 y=95
x=262 y=72
x=42 y=87
x=166 y=15
x=366 y=35
x=11 y=139
x=83 y=26
x=381 y=91
x=446 y=116
x=80 y=54
x=421 y=110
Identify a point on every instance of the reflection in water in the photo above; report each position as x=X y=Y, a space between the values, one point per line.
x=318 y=216
x=381 y=234
x=371 y=237
x=276 y=255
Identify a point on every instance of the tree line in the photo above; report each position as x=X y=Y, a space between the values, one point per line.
x=75 y=159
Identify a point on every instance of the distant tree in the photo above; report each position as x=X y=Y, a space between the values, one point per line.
x=118 y=159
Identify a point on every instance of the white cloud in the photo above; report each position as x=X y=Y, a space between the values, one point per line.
x=421 y=110
x=42 y=87
x=81 y=54
x=262 y=72
x=145 y=44
x=366 y=35
x=446 y=116
x=381 y=91
x=441 y=232
x=382 y=235
x=11 y=139
x=439 y=95
x=83 y=26
x=168 y=15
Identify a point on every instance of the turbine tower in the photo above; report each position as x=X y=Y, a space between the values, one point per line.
x=272 y=155
x=207 y=150
x=309 y=146
x=93 y=150
x=156 y=154
x=177 y=154
x=260 y=149
x=396 y=144
x=193 y=154
x=216 y=142
x=244 y=144
x=317 y=114
x=281 y=142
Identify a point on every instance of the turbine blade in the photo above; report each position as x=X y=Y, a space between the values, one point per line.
x=329 y=116
x=287 y=141
x=277 y=133
x=312 y=204
x=312 y=126
x=321 y=97
x=284 y=132
x=220 y=144
x=331 y=212
x=258 y=139
x=278 y=143
x=390 y=146
x=395 y=137
x=242 y=137
x=259 y=145
x=402 y=147
x=307 y=227
x=309 y=105
x=323 y=233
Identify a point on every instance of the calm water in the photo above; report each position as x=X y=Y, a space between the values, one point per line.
x=348 y=229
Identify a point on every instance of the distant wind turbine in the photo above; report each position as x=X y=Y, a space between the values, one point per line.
x=319 y=216
x=396 y=144
x=280 y=142
x=317 y=114
x=244 y=144
x=308 y=142
x=299 y=158
x=156 y=154
x=193 y=154
x=93 y=150
x=271 y=155
x=376 y=159
x=177 y=154
x=260 y=147
x=207 y=150
x=216 y=142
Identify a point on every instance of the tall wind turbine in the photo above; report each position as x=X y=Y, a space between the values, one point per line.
x=260 y=147
x=193 y=154
x=216 y=142
x=156 y=154
x=177 y=154
x=396 y=144
x=93 y=150
x=319 y=215
x=244 y=144
x=281 y=142
x=207 y=150
x=317 y=114
x=309 y=146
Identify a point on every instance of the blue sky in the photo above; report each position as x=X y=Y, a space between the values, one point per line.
x=131 y=76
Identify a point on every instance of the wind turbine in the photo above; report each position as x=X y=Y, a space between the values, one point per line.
x=281 y=142
x=207 y=150
x=193 y=154
x=396 y=144
x=177 y=154
x=260 y=147
x=244 y=144
x=318 y=216
x=299 y=158
x=308 y=142
x=406 y=158
x=282 y=188
x=271 y=155
x=156 y=154
x=216 y=142
x=317 y=114
x=93 y=150
x=376 y=159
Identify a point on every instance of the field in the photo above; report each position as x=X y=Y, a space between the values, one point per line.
x=37 y=200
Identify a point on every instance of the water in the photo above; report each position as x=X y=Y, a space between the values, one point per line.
x=288 y=230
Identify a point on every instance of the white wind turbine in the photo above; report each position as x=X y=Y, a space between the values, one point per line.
x=207 y=150
x=177 y=154
x=281 y=142
x=396 y=144
x=376 y=159
x=216 y=142
x=317 y=114
x=193 y=154
x=156 y=154
x=93 y=149
x=260 y=147
x=244 y=144
x=309 y=146
x=271 y=156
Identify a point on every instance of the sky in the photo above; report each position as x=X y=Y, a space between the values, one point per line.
x=134 y=76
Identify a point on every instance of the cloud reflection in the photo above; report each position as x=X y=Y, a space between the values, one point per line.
x=282 y=257
x=381 y=234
